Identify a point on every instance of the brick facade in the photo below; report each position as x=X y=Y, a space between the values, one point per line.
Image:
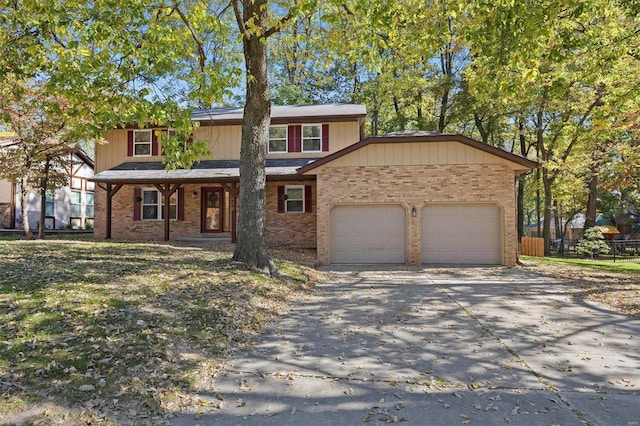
x=417 y=186
x=290 y=229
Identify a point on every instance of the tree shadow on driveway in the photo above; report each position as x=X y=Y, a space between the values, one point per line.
x=483 y=344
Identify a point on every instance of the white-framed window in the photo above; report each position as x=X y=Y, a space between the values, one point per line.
x=88 y=204
x=167 y=133
x=277 y=139
x=152 y=206
x=142 y=143
x=49 y=203
x=312 y=137
x=76 y=203
x=294 y=199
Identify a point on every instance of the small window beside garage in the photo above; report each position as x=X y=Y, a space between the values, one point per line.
x=295 y=199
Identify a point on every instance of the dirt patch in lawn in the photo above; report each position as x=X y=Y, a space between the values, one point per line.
x=108 y=333
x=618 y=291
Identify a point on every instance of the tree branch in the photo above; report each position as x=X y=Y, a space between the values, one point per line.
x=202 y=57
x=274 y=29
x=236 y=11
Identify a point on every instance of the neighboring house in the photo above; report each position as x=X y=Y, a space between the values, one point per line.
x=69 y=206
x=409 y=197
x=573 y=230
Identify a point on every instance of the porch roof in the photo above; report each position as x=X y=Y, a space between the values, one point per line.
x=204 y=171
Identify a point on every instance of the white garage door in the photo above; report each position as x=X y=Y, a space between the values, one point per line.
x=368 y=234
x=462 y=234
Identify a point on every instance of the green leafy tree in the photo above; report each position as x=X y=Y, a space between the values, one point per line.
x=38 y=158
x=592 y=243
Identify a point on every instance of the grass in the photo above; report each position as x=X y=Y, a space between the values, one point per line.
x=112 y=333
x=607 y=265
x=613 y=284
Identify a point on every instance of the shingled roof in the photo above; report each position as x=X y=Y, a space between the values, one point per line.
x=204 y=171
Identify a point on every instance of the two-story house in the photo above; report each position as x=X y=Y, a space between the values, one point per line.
x=70 y=206
x=411 y=197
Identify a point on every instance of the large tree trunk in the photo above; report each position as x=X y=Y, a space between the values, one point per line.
x=546 y=229
x=44 y=183
x=520 y=207
x=521 y=183
x=251 y=246
x=592 y=205
x=43 y=205
x=24 y=210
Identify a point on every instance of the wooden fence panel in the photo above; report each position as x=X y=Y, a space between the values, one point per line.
x=532 y=246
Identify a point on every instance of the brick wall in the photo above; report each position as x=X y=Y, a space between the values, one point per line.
x=124 y=228
x=291 y=229
x=417 y=186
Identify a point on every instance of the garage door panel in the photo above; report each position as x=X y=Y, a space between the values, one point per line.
x=368 y=234
x=461 y=234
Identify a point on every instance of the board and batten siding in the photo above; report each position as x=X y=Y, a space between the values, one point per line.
x=223 y=143
x=418 y=153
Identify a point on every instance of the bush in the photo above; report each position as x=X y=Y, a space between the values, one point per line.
x=592 y=243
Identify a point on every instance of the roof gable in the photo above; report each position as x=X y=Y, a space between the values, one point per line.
x=419 y=147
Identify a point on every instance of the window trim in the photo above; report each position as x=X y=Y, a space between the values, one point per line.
x=159 y=205
x=286 y=140
x=302 y=137
x=79 y=203
x=286 y=200
x=50 y=199
x=86 y=204
x=150 y=143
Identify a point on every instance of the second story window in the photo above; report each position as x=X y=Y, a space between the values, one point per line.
x=142 y=143
x=277 y=139
x=311 y=137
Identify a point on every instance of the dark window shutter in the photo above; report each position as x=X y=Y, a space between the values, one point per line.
x=130 y=143
x=281 y=199
x=136 y=203
x=308 y=201
x=325 y=137
x=294 y=138
x=154 y=143
x=180 y=203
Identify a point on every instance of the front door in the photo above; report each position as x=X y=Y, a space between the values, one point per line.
x=212 y=207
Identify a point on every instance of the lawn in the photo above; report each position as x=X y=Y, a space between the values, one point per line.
x=613 y=284
x=118 y=333
x=604 y=264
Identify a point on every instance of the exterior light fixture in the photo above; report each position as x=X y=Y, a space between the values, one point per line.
x=194 y=194
x=414 y=212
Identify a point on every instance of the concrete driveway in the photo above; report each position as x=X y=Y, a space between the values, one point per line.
x=435 y=347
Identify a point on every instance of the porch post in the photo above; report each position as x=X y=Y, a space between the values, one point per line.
x=166 y=192
x=109 y=210
x=232 y=189
x=111 y=191
x=167 y=209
